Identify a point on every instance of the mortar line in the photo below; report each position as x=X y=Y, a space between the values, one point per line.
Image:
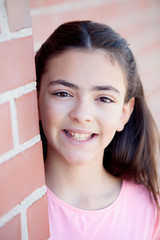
x=6 y=34
x=24 y=225
x=40 y=11
x=14 y=122
x=19 y=149
x=17 y=92
x=23 y=205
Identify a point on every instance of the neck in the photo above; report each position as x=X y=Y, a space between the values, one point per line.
x=79 y=184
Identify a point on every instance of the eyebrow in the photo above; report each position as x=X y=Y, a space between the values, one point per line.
x=64 y=83
x=74 y=86
x=106 y=88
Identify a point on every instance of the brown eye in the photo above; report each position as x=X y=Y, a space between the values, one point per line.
x=105 y=100
x=62 y=94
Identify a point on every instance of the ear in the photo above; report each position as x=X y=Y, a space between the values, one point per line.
x=126 y=113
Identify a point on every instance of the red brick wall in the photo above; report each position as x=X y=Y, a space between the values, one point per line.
x=136 y=20
x=23 y=204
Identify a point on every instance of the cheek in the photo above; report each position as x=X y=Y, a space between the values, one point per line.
x=48 y=113
x=110 y=118
x=51 y=114
x=50 y=121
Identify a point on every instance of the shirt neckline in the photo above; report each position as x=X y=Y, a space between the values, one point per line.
x=63 y=204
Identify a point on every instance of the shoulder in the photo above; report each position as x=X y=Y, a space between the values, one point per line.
x=137 y=198
x=137 y=192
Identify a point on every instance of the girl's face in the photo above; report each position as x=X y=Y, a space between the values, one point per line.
x=81 y=104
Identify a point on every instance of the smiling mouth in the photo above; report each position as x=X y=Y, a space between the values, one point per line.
x=79 y=136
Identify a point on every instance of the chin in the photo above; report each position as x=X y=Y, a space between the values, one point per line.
x=77 y=160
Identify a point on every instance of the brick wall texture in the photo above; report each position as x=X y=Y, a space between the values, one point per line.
x=23 y=204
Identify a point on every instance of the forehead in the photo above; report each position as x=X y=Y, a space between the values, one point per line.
x=85 y=65
x=91 y=54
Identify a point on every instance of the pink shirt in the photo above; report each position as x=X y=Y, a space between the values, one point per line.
x=131 y=216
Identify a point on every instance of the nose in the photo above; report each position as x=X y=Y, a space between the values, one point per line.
x=82 y=112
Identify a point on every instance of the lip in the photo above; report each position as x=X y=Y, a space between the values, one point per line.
x=80 y=131
x=78 y=140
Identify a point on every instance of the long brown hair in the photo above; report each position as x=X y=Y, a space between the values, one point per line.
x=132 y=152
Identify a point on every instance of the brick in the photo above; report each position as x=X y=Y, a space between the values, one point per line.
x=6 y=142
x=58 y=18
x=151 y=82
x=16 y=63
x=20 y=176
x=11 y=230
x=37 y=214
x=151 y=47
x=42 y=3
x=153 y=103
x=108 y=12
x=150 y=71
x=27 y=115
x=18 y=14
x=129 y=32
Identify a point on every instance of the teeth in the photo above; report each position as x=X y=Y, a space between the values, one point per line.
x=79 y=137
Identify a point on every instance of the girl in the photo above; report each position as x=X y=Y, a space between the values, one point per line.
x=99 y=138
